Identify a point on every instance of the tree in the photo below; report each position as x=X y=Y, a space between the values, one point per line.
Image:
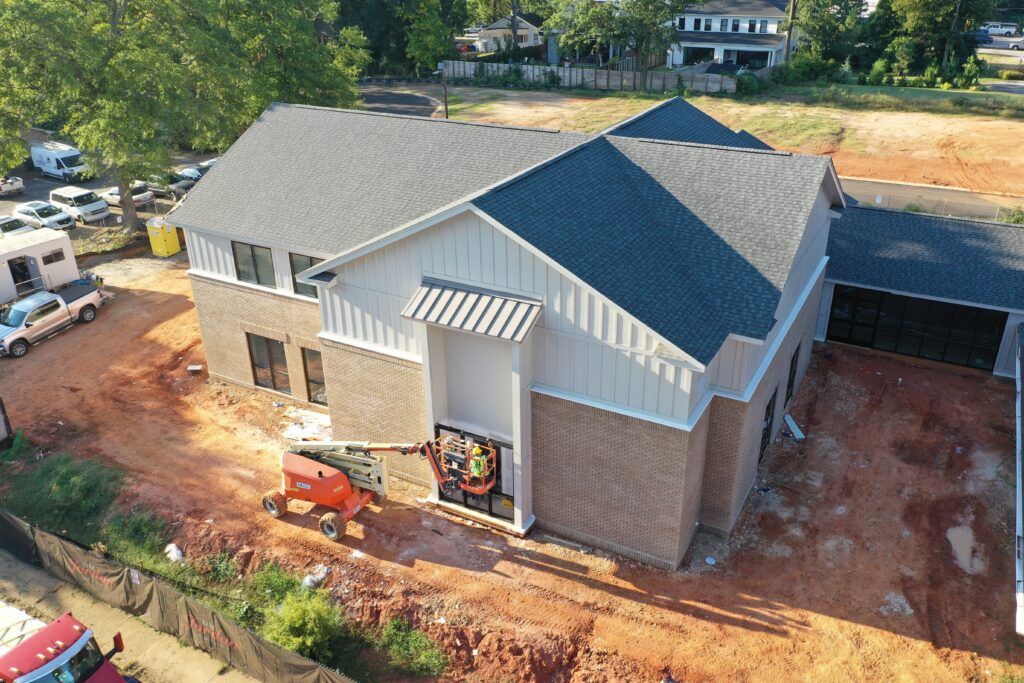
x=128 y=78
x=584 y=25
x=384 y=25
x=427 y=38
x=937 y=24
x=877 y=32
x=830 y=27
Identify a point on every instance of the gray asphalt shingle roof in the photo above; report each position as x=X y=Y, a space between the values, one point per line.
x=755 y=40
x=932 y=256
x=679 y=121
x=745 y=8
x=328 y=180
x=682 y=236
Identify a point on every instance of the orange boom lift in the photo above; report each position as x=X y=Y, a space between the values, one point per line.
x=349 y=475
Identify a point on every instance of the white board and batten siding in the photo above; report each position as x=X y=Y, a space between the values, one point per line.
x=582 y=344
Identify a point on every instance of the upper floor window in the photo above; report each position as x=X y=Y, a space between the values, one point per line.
x=681 y=23
x=735 y=25
x=751 y=25
x=254 y=264
x=764 y=26
x=696 y=23
x=723 y=25
x=707 y=24
x=300 y=263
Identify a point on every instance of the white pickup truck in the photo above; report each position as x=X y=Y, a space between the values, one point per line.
x=11 y=185
x=41 y=315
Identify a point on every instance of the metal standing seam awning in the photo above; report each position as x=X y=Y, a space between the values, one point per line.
x=471 y=309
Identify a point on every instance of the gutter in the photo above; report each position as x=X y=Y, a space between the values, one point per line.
x=1020 y=489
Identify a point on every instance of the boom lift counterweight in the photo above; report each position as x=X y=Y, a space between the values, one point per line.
x=349 y=475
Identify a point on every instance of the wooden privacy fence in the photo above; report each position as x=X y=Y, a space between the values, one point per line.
x=593 y=79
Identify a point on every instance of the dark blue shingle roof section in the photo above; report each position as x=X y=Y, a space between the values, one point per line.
x=947 y=258
x=679 y=235
x=679 y=121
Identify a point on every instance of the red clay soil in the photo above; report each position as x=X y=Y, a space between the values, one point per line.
x=840 y=569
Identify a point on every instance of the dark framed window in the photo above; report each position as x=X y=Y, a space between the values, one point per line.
x=300 y=263
x=723 y=25
x=735 y=25
x=254 y=264
x=766 y=427
x=696 y=23
x=316 y=386
x=751 y=25
x=707 y=24
x=53 y=257
x=269 y=365
x=681 y=23
x=764 y=26
x=953 y=333
x=794 y=362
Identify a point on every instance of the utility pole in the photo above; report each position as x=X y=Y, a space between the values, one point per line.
x=790 y=27
x=444 y=84
x=514 y=25
x=952 y=31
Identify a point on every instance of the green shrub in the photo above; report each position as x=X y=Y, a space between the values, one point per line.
x=136 y=538
x=66 y=495
x=273 y=584
x=970 y=73
x=1011 y=74
x=1014 y=216
x=878 y=71
x=222 y=567
x=805 y=67
x=749 y=84
x=914 y=208
x=411 y=651
x=946 y=86
x=307 y=623
x=552 y=79
x=931 y=75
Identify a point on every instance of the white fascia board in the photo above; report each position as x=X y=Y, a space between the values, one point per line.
x=746 y=340
x=691 y=362
x=900 y=292
x=838 y=187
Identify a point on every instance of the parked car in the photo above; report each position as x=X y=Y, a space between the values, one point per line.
x=11 y=185
x=9 y=225
x=171 y=184
x=60 y=161
x=979 y=37
x=1017 y=44
x=41 y=315
x=209 y=163
x=140 y=195
x=44 y=215
x=82 y=204
x=196 y=173
x=1000 y=28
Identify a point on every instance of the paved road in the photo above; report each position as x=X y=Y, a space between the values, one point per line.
x=390 y=102
x=941 y=200
x=1012 y=87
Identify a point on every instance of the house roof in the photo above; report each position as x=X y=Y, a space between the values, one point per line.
x=501 y=315
x=931 y=256
x=746 y=8
x=677 y=234
x=754 y=40
x=506 y=23
x=679 y=121
x=328 y=180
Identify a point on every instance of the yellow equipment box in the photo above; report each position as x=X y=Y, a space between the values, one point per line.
x=163 y=238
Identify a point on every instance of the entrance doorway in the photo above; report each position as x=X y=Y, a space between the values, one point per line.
x=500 y=500
x=21 y=272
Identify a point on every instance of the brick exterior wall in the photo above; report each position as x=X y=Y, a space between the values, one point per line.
x=376 y=397
x=734 y=434
x=228 y=311
x=616 y=482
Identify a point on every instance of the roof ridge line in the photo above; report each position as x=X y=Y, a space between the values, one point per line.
x=640 y=115
x=961 y=219
x=482 y=124
x=727 y=148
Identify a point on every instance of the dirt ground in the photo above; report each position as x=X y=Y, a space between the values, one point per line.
x=970 y=152
x=881 y=548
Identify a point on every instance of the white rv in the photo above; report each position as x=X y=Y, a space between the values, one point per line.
x=59 y=160
x=38 y=260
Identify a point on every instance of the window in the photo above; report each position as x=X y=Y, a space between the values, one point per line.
x=723 y=25
x=269 y=366
x=707 y=24
x=764 y=26
x=794 y=362
x=43 y=311
x=53 y=257
x=751 y=25
x=681 y=23
x=696 y=23
x=315 y=384
x=735 y=25
x=300 y=263
x=254 y=264
x=766 y=427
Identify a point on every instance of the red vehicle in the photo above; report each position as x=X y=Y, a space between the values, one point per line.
x=61 y=652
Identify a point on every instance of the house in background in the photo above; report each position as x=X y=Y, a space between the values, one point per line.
x=618 y=314
x=498 y=36
x=742 y=32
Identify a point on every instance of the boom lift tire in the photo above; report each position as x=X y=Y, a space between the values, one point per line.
x=332 y=525
x=275 y=503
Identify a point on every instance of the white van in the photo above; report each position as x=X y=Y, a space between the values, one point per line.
x=997 y=28
x=82 y=204
x=59 y=160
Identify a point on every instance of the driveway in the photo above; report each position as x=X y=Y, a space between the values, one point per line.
x=393 y=102
x=1012 y=87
